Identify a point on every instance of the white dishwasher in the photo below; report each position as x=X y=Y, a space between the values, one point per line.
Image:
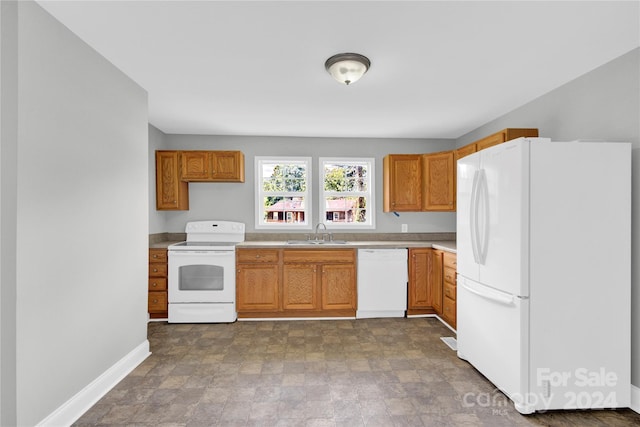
x=382 y=283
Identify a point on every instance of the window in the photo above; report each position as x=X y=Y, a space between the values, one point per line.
x=346 y=192
x=282 y=186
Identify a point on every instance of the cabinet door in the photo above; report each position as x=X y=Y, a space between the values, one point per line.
x=300 y=287
x=419 y=291
x=438 y=182
x=425 y=279
x=171 y=192
x=338 y=287
x=257 y=287
x=195 y=165
x=435 y=277
x=402 y=174
x=227 y=166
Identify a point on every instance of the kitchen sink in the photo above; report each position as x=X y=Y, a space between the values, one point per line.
x=316 y=242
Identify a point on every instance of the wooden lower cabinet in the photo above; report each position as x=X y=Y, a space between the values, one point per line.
x=449 y=281
x=157 y=290
x=425 y=281
x=300 y=287
x=296 y=282
x=319 y=281
x=338 y=287
x=432 y=283
x=257 y=280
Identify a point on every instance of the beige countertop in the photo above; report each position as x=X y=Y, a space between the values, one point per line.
x=354 y=241
x=449 y=246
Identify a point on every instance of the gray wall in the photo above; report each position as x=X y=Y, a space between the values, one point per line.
x=235 y=201
x=81 y=218
x=601 y=105
x=157 y=220
x=8 y=207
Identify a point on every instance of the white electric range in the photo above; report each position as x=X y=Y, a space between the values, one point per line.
x=202 y=279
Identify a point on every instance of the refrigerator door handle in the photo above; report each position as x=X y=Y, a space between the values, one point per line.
x=473 y=217
x=501 y=299
x=483 y=197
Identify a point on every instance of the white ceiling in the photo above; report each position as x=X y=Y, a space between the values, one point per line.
x=439 y=68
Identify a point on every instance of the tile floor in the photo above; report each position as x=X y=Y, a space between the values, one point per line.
x=371 y=372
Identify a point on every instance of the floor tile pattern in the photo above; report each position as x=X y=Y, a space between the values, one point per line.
x=366 y=372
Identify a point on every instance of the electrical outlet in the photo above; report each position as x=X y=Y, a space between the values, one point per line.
x=405 y=228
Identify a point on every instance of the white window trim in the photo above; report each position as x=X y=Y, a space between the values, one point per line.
x=371 y=207
x=260 y=224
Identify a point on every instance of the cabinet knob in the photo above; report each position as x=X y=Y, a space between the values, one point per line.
x=154 y=285
x=257 y=256
x=155 y=270
x=155 y=301
x=155 y=256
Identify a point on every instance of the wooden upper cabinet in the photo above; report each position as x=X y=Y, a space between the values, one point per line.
x=212 y=166
x=195 y=165
x=171 y=192
x=503 y=136
x=465 y=151
x=497 y=138
x=227 y=165
x=438 y=182
x=402 y=175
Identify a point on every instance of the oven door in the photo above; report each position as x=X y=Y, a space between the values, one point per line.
x=202 y=276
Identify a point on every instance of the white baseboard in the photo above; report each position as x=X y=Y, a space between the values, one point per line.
x=73 y=408
x=635 y=398
x=433 y=315
x=282 y=319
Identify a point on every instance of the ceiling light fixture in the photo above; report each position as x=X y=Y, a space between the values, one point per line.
x=347 y=67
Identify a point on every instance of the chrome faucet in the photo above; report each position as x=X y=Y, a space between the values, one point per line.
x=317 y=227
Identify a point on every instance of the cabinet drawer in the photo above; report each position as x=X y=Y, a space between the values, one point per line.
x=449 y=310
x=157 y=255
x=450 y=260
x=334 y=256
x=157 y=270
x=157 y=283
x=250 y=256
x=157 y=302
x=450 y=291
x=449 y=275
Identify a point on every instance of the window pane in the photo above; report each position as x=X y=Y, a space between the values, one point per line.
x=344 y=177
x=284 y=210
x=282 y=189
x=345 y=209
x=284 y=177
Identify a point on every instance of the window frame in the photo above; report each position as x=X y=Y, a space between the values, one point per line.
x=370 y=194
x=260 y=223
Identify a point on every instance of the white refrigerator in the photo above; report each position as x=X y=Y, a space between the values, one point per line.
x=544 y=271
